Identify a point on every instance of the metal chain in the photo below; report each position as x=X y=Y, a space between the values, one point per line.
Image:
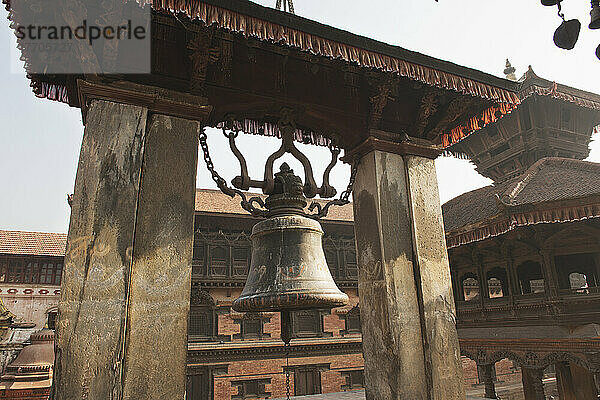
x=344 y=199
x=211 y=167
x=287 y=370
x=345 y=196
x=222 y=184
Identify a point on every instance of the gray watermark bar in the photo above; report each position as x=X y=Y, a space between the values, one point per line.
x=82 y=36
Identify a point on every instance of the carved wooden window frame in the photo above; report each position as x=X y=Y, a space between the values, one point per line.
x=262 y=320
x=243 y=387
x=353 y=382
x=318 y=319
x=349 y=329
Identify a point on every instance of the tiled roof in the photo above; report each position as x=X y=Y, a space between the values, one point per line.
x=33 y=243
x=214 y=201
x=553 y=179
x=547 y=182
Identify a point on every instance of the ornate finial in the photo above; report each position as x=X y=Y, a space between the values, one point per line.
x=287 y=196
x=288 y=5
x=288 y=183
x=509 y=71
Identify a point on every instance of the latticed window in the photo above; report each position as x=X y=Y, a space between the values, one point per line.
x=45 y=273
x=251 y=389
x=58 y=274
x=353 y=321
x=18 y=270
x=15 y=271
x=52 y=316
x=354 y=379
x=202 y=323
x=199 y=259
x=219 y=259
x=332 y=262
x=307 y=323
x=565 y=119
x=241 y=261
x=351 y=265
x=3 y=270
x=252 y=326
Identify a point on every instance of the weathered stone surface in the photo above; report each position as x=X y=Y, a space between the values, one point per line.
x=486 y=375
x=404 y=281
x=122 y=329
x=564 y=381
x=391 y=325
x=92 y=310
x=159 y=301
x=442 y=351
x=533 y=386
x=584 y=384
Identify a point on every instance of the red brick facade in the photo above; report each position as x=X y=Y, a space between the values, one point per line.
x=255 y=360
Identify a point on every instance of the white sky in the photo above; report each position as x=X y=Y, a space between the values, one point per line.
x=40 y=139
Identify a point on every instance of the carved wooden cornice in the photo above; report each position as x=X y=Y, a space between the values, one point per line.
x=534 y=353
x=160 y=101
x=329 y=347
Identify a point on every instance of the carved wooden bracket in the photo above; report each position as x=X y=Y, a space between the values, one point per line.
x=428 y=107
x=409 y=146
x=201 y=53
x=384 y=92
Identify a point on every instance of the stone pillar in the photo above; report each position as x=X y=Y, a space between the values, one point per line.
x=533 y=386
x=564 y=381
x=584 y=385
x=410 y=342
x=487 y=376
x=122 y=327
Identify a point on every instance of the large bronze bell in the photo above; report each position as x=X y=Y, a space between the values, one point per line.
x=288 y=269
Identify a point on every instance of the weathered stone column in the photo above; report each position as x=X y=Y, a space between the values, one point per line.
x=533 y=386
x=486 y=375
x=564 y=381
x=584 y=385
x=410 y=342
x=122 y=328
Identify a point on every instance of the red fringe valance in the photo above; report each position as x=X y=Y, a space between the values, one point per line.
x=557 y=215
x=268 y=129
x=497 y=112
x=488 y=116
